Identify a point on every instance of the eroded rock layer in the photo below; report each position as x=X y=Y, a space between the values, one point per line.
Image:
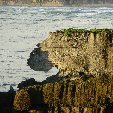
x=79 y=52
x=92 y=96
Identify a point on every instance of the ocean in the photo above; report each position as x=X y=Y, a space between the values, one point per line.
x=22 y=28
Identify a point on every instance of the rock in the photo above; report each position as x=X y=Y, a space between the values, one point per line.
x=11 y=89
x=92 y=55
x=77 y=53
x=22 y=101
x=38 y=60
x=6 y=102
x=29 y=82
x=66 y=96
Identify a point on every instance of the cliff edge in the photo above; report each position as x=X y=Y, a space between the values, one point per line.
x=77 y=53
x=84 y=83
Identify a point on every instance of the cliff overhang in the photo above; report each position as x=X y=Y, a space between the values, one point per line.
x=76 y=52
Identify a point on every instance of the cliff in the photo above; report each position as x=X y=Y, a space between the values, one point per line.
x=92 y=96
x=84 y=83
x=76 y=53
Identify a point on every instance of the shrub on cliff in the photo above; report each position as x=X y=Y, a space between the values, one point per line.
x=22 y=101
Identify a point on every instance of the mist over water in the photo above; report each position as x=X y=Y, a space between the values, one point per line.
x=21 y=28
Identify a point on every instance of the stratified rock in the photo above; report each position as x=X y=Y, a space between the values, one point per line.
x=75 y=51
x=67 y=97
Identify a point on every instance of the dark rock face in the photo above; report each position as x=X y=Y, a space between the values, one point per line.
x=38 y=60
x=6 y=102
x=29 y=82
x=67 y=97
x=53 y=78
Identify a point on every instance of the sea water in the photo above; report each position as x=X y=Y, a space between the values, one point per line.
x=21 y=28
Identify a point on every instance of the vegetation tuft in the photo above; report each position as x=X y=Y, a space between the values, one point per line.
x=70 y=31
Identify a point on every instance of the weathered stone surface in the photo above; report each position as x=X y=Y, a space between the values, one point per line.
x=22 y=100
x=86 y=54
x=74 y=52
x=92 y=96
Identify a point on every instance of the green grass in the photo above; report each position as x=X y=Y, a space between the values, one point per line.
x=70 y=31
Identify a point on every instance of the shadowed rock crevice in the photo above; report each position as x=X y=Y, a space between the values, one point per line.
x=38 y=60
x=37 y=100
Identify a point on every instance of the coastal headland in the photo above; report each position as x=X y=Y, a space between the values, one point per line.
x=84 y=83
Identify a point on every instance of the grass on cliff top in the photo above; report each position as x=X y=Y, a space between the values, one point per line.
x=70 y=31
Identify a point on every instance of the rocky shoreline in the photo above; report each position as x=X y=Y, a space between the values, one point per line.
x=84 y=83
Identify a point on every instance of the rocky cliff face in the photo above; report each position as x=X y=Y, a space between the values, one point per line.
x=77 y=53
x=92 y=96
